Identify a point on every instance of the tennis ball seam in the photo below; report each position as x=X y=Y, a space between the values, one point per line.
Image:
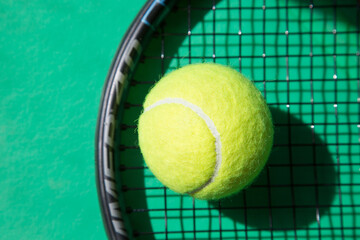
x=209 y=123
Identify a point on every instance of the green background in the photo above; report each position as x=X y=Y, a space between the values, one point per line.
x=54 y=57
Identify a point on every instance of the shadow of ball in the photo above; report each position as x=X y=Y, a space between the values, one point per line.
x=295 y=188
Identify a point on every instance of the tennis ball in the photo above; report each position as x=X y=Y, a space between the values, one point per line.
x=205 y=131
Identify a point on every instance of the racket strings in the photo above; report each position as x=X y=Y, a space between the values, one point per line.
x=342 y=143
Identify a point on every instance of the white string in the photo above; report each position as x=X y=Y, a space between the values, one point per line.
x=210 y=124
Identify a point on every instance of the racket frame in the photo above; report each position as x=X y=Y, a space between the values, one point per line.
x=112 y=100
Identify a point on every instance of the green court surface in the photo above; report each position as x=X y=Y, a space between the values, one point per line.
x=54 y=57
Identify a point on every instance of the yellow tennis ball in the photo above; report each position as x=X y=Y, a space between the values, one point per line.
x=205 y=131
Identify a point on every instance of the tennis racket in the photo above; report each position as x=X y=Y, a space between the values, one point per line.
x=304 y=56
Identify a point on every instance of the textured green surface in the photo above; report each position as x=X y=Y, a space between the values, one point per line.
x=315 y=162
x=54 y=57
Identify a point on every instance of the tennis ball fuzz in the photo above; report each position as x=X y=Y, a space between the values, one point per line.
x=205 y=131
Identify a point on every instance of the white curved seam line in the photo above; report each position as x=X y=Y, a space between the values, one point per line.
x=210 y=124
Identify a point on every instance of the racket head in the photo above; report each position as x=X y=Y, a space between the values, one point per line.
x=304 y=57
